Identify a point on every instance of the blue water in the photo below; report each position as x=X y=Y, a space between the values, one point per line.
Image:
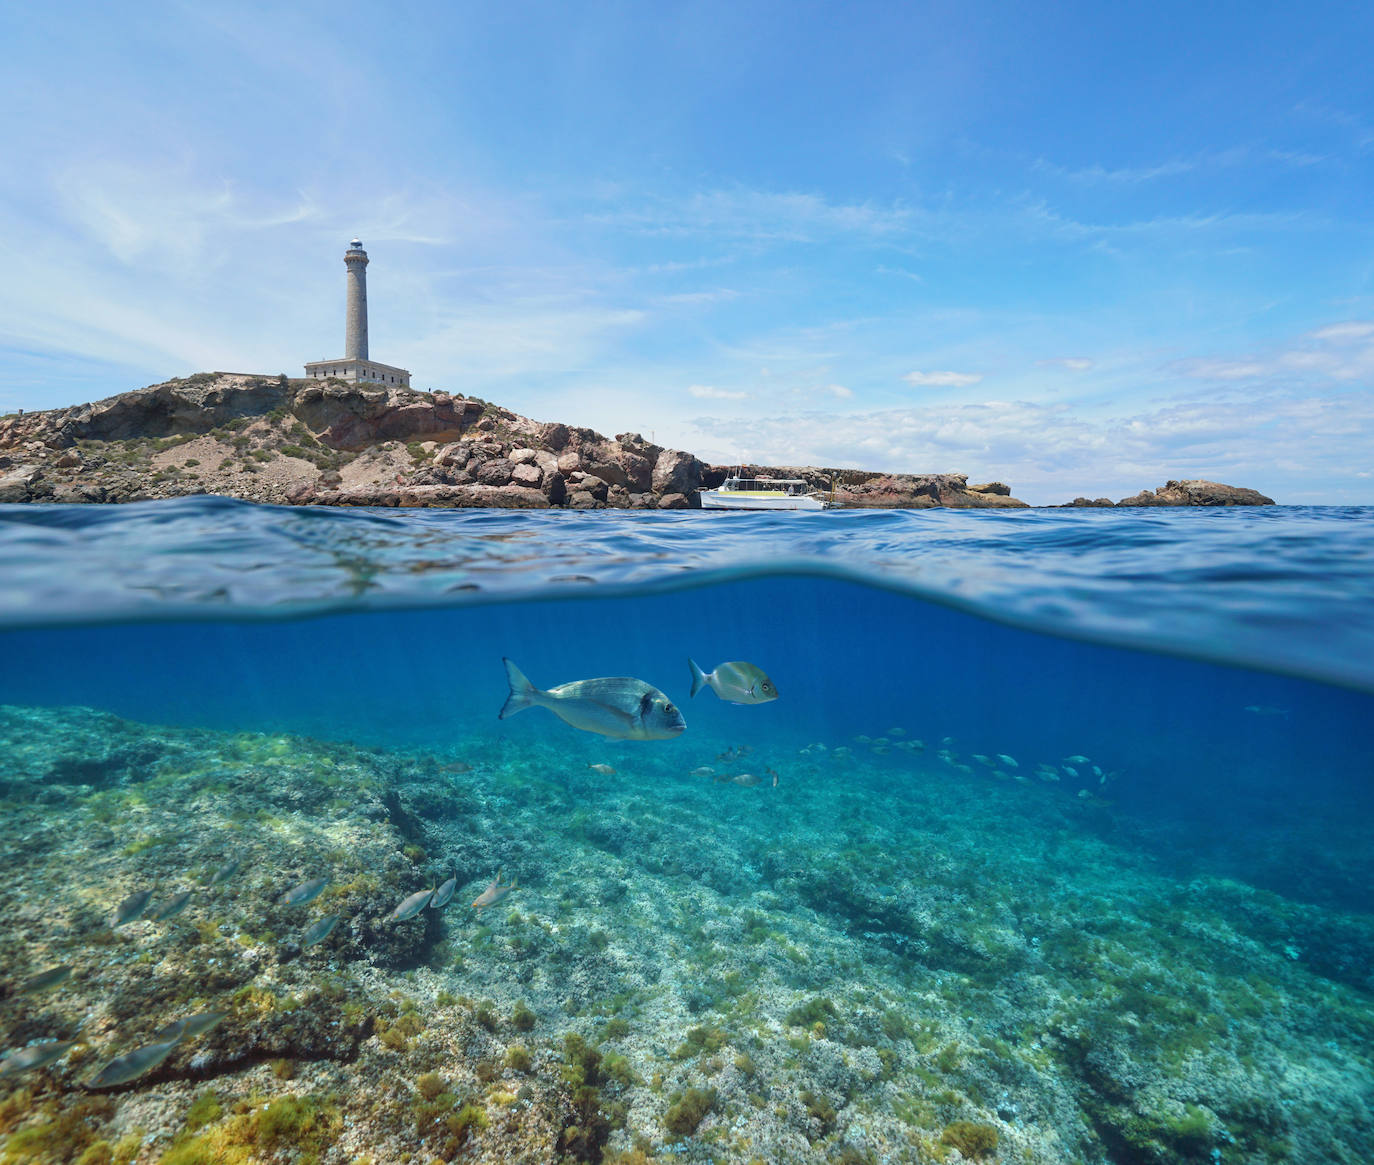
x=1217 y=666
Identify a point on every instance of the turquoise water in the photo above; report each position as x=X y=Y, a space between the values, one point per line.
x=916 y=925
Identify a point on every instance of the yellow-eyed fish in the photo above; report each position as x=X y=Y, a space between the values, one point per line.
x=494 y=892
x=620 y=707
x=737 y=682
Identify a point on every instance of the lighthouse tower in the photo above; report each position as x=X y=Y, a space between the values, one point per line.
x=356 y=366
x=355 y=331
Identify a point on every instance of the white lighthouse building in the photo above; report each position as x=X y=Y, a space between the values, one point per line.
x=355 y=365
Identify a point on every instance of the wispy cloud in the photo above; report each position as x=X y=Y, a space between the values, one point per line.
x=942 y=379
x=1072 y=363
x=756 y=215
x=1336 y=352
x=710 y=392
x=1349 y=330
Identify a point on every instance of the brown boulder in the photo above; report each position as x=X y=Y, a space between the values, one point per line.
x=676 y=472
x=524 y=474
x=497 y=471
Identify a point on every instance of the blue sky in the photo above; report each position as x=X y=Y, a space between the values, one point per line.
x=1081 y=248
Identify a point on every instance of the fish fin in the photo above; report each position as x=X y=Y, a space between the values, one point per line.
x=698 y=676
x=521 y=692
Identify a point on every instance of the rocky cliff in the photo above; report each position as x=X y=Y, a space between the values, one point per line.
x=271 y=439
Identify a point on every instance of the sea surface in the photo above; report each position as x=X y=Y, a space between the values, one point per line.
x=1054 y=847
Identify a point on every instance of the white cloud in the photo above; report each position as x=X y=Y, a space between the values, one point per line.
x=839 y=390
x=1072 y=363
x=1221 y=369
x=942 y=379
x=1349 y=330
x=708 y=392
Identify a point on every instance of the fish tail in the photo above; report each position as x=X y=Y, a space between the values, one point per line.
x=521 y=692
x=698 y=676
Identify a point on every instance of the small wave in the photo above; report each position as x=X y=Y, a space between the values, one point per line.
x=1288 y=589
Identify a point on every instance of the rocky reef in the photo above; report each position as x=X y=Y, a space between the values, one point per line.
x=1196 y=492
x=821 y=970
x=303 y=442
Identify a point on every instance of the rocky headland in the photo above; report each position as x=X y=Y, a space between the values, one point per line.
x=311 y=442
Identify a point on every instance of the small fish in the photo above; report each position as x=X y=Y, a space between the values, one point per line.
x=305 y=892
x=494 y=892
x=1077 y=760
x=171 y=907
x=748 y=780
x=1046 y=776
x=131 y=908
x=604 y=770
x=843 y=751
x=411 y=906
x=34 y=1056
x=882 y=740
x=896 y=731
x=1009 y=761
x=620 y=707
x=319 y=930
x=1073 y=772
x=189 y=1026
x=703 y=771
x=982 y=760
x=861 y=739
x=444 y=893
x=736 y=682
x=1265 y=710
x=946 y=741
x=880 y=750
x=224 y=873
x=45 y=980
x=131 y=1066
x=1097 y=772
x=457 y=766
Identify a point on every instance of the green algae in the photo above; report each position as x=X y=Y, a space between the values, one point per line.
x=304 y=1126
x=688 y=1110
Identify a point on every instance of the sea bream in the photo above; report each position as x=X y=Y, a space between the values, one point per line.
x=620 y=707
x=736 y=682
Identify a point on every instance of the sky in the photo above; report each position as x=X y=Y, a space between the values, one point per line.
x=1080 y=248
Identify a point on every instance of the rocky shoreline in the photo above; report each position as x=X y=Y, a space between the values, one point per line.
x=303 y=442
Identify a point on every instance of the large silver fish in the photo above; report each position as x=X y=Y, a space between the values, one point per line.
x=131 y=908
x=122 y=1069
x=411 y=906
x=319 y=931
x=737 y=682
x=620 y=707
x=188 y=1027
x=44 y=980
x=173 y=906
x=305 y=892
x=444 y=893
x=34 y=1056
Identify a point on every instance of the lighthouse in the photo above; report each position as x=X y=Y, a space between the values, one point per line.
x=356 y=366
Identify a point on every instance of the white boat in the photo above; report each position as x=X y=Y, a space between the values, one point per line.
x=762 y=493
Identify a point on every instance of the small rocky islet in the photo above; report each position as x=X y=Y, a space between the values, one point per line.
x=893 y=953
x=326 y=442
